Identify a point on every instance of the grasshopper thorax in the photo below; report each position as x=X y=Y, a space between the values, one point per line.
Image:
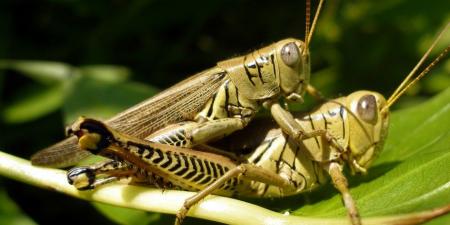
x=368 y=128
x=281 y=68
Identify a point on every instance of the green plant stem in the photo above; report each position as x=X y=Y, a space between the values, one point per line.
x=216 y=208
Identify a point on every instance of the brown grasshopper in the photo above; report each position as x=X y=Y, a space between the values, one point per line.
x=348 y=130
x=220 y=100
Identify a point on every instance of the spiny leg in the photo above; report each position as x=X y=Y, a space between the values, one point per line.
x=340 y=182
x=287 y=122
x=248 y=171
x=291 y=127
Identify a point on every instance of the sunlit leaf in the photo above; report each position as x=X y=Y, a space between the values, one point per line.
x=41 y=71
x=33 y=104
x=106 y=73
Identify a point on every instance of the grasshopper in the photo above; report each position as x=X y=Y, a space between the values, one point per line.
x=220 y=100
x=348 y=130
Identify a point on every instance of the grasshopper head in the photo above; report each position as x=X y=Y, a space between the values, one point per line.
x=369 y=123
x=294 y=67
x=92 y=135
x=368 y=127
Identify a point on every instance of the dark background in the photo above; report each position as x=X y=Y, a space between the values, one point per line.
x=357 y=45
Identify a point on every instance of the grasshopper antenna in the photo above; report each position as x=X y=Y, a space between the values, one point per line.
x=408 y=82
x=308 y=34
x=307 y=21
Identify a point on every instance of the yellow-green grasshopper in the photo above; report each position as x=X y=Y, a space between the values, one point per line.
x=220 y=100
x=349 y=129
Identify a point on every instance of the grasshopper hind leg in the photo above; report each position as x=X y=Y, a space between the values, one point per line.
x=84 y=178
x=243 y=171
x=90 y=177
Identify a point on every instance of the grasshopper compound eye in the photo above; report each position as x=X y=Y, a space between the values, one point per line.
x=367 y=108
x=290 y=54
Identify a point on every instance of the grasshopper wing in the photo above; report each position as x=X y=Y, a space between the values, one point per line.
x=179 y=103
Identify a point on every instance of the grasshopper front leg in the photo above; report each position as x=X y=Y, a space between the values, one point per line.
x=288 y=124
x=296 y=131
x=292 y=128
x=341 y=184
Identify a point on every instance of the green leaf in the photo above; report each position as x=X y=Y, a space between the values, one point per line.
x=106 y=73
x=10 y=213
x=34 y=102
x=96 y=98
x=127 y=216
x=42 y=71
x=37 y=100
x=412 y=173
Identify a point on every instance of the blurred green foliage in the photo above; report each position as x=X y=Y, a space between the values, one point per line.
x=61 y=59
